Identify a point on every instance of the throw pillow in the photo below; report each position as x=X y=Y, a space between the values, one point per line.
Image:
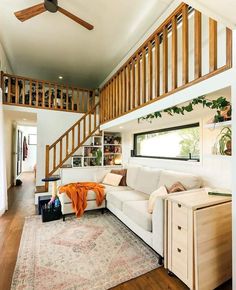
x=122 y=172
x=160 y=192
x=176 y=187
x=112 y=179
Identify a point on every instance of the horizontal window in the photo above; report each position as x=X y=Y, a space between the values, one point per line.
x=179 y=143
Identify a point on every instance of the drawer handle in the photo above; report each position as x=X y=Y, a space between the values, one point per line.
x=179 y=205
x=179 y=250
x=179 y=228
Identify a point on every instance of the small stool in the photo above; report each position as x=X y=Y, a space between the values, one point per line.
x=53 y=179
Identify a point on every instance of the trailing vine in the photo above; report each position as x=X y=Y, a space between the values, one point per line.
x=218 y=104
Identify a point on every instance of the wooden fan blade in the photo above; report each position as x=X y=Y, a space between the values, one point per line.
x=75 y=18
x=28 y=13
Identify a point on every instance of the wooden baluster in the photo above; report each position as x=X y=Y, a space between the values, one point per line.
x=90 y=124
x=157 y=66
x=72 y=99
x=229 y=47
x=49 y=96
x=43 y=95
x=133 y=85
x=61 y=151
x=212 y=45
x=150 y=69
x=125 y=90
x=174 y=54
x=84 y=128
x=110 y=99
x=113 y=98
x=197 y=44
x=128 y=87
x=16 y=91
x=9 y=91
x=83 y=102
x=47 y=165
x=101 y=106
x=54 y=156
x=138 y=81
x=37 y=94
x=73 y=138
x=120 y=94
x=77 y=99
x=79 y=134
x=107 y=103
x=165 y=61
x=67 y=144
x=67 y=98
x=143 y=76
x=30 y=94
x=117 y=96
x=185 y=46
x=95 y=118
x=123 y=93
x=23 y=92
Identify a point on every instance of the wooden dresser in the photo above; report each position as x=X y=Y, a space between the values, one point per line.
x=198 y=233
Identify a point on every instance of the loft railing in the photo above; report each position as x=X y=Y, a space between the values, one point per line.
x=27 y=92
x=65 y=146
x=180 y=53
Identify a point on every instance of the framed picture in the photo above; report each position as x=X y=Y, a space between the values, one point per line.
x=32 y=139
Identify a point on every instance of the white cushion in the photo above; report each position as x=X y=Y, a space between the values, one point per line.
x=137 y=212
x=109 y=188
x=132 y=174
x=189 y=181
x=160 y=192
x=117 y=198
x=101 y=173
x=147 y=179
x=112 y=179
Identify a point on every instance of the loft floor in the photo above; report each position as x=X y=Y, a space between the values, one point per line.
x=21 y=204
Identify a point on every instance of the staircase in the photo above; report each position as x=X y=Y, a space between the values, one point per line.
x=65 y=146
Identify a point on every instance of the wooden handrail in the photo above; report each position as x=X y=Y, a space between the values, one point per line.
x=41 y=94
x=57 y=154
x=154 y=72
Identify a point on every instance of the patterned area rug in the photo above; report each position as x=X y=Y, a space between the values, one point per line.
x=94 y=252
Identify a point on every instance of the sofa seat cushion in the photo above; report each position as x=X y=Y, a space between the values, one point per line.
x=109 y=188
x=117 y=198
x=137 y=211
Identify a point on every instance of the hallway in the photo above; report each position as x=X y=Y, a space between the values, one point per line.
x=21 y=204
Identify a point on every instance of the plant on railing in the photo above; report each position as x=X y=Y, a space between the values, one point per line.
x=223 y=144
x=220 y=104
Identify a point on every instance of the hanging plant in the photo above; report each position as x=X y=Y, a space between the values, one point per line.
x=222 y=106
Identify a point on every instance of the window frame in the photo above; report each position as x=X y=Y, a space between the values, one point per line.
x=187 y=126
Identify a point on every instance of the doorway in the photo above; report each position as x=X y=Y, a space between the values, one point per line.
x=19 y=152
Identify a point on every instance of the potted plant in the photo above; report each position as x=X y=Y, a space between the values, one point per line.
x=98 y=157
x=223 y=143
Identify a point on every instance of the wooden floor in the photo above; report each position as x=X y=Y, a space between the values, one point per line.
x=21 y=204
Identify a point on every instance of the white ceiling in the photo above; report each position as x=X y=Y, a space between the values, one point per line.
x=50 y=45
x=21 y=118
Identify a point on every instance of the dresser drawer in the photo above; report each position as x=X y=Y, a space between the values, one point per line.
x=180 y=215
x=180 y=235
x=180 y=261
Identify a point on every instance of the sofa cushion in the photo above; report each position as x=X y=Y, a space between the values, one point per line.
x=112 y=179
x=137 y=211
x=189 y=181
x=117 y=198
x=132 y=174
x=147 y=179
x=160 y=192
x=109 y=188
x=122 y=172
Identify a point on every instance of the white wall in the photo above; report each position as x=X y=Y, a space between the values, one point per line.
x=51 y=125
x=215 y=170
x=29 y=163
x=4 y=62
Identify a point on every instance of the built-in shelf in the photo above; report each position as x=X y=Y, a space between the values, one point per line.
x=112 y=144
x=218 y=125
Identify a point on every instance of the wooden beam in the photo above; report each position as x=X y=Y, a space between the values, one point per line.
x=212 y=45
x=197 y=44
x=185 y=46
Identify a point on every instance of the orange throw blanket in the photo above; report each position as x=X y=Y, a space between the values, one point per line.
x=77 y=192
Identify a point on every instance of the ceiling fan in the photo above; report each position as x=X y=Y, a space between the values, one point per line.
x=51 y=6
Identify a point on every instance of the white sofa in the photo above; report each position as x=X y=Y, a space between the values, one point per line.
x=129 y=203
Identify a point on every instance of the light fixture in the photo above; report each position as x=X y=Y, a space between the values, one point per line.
x=121 y=127
x=60 y=77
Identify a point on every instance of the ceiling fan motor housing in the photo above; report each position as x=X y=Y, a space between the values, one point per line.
x=51 y=5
